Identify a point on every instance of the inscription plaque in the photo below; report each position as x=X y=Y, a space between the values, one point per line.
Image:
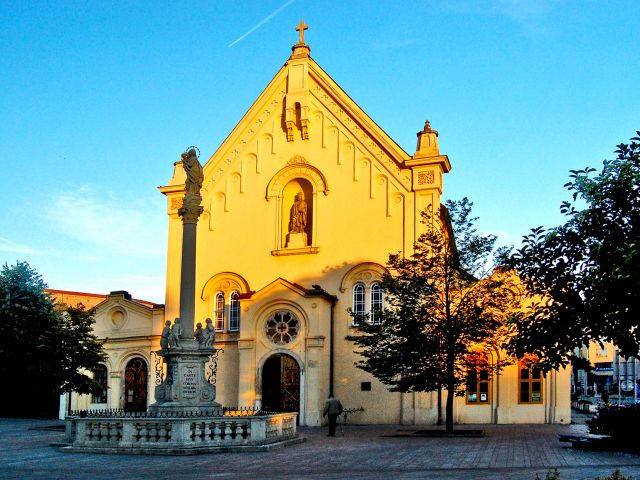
x=189 y=381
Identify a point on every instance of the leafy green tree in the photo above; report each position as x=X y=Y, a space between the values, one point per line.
x=583 y=275
x=45 y=349
x=442 y=304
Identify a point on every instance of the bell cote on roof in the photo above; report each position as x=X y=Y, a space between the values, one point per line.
x=297 y=96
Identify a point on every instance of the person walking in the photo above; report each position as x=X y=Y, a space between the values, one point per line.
x=332 y=409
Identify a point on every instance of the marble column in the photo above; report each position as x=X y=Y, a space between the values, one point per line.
x=186 y=386
x=188 y=273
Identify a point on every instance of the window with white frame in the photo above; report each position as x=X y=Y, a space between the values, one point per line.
x=367 y=300
x=229 y=311
x=234 y=311
x=358 y=303
x=376 y=304
x=218 y=312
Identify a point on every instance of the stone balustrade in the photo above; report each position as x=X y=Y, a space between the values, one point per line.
x=179 y=435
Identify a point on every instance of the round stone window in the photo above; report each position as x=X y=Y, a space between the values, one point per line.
x=117 y=318
x=282 y=327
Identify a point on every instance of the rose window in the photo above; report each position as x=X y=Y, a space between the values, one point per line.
x=282 y=327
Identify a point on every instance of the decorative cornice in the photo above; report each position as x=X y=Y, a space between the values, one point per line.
x=234 y=150
x=362 y=136
x=190 y=212
x=294 y=170
x=297 y=160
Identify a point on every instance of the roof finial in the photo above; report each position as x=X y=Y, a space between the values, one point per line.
x=301 y=28
x=300 y=49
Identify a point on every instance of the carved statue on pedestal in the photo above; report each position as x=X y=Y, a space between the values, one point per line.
x=191 y=208
x=297 y=236
x=209 y=338
x=176 y=331
x=198 y=334
x=166 y=336
x=298 y=215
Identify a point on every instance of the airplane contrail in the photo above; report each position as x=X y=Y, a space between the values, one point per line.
x=261 y=22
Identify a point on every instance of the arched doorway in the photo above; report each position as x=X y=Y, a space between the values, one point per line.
x=135 y=386
x=281 y=384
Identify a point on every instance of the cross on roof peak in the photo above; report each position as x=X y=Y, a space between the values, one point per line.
x=301 y=28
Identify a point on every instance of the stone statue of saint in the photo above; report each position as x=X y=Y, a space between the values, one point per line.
x=176 y=331
x=166 y=335
x=199 y=334
x=209 y=334
x=298 y=215
x=193 y=169
x=191 y=208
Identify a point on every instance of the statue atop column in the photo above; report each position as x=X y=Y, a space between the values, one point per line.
x=191 y=209
x=186 y=350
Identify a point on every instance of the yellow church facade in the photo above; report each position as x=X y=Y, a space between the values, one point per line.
x=303 y=202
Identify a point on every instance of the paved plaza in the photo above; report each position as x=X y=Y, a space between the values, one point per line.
x=358 y=452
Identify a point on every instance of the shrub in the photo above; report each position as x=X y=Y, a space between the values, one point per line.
x=617 y=475
x=555 y=475
x=621 y=423
x=551 y=475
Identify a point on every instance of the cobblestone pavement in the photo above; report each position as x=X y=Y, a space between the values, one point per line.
x=359 y=452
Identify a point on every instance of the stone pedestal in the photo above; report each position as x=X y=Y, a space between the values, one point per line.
x=296 y=240
x=185 y=387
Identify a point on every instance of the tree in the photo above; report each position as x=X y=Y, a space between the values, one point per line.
x=583 y=275
x=45 y=349
x=442 y=309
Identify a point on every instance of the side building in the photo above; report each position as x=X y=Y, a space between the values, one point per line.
x=303 y=202
x=131 y=329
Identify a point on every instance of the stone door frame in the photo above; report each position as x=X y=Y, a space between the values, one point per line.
x=298 y=360
x=123 y=383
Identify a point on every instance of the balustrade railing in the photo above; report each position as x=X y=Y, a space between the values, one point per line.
x=157 y=432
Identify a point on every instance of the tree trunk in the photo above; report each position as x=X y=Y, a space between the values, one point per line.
x=450 y=397
x=439 y=405
x=451 y=391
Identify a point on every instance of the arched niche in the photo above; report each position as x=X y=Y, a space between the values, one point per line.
x=298 y=167
x=297 y=205
x=298 y=176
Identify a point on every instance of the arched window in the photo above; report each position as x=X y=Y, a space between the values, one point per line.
x=218 y=312
x=100 y=376
x=358 y=303
x=234 y=311
x=376 y=304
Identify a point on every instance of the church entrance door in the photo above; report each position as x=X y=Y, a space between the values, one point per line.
x=281 y=384
x=135 y=386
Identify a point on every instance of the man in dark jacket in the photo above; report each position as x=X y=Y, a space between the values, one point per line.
x=332 y=408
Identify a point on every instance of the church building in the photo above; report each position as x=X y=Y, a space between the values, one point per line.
x=303 y=202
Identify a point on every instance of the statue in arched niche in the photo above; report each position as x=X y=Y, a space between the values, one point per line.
x=298 y=214
x=297 y=236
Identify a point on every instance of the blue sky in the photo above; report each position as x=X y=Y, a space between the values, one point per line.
x=98 y=99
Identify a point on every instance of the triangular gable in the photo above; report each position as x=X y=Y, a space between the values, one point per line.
x=279 y=284
x=113 y=300
x=321 y=89
x=365 y=128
